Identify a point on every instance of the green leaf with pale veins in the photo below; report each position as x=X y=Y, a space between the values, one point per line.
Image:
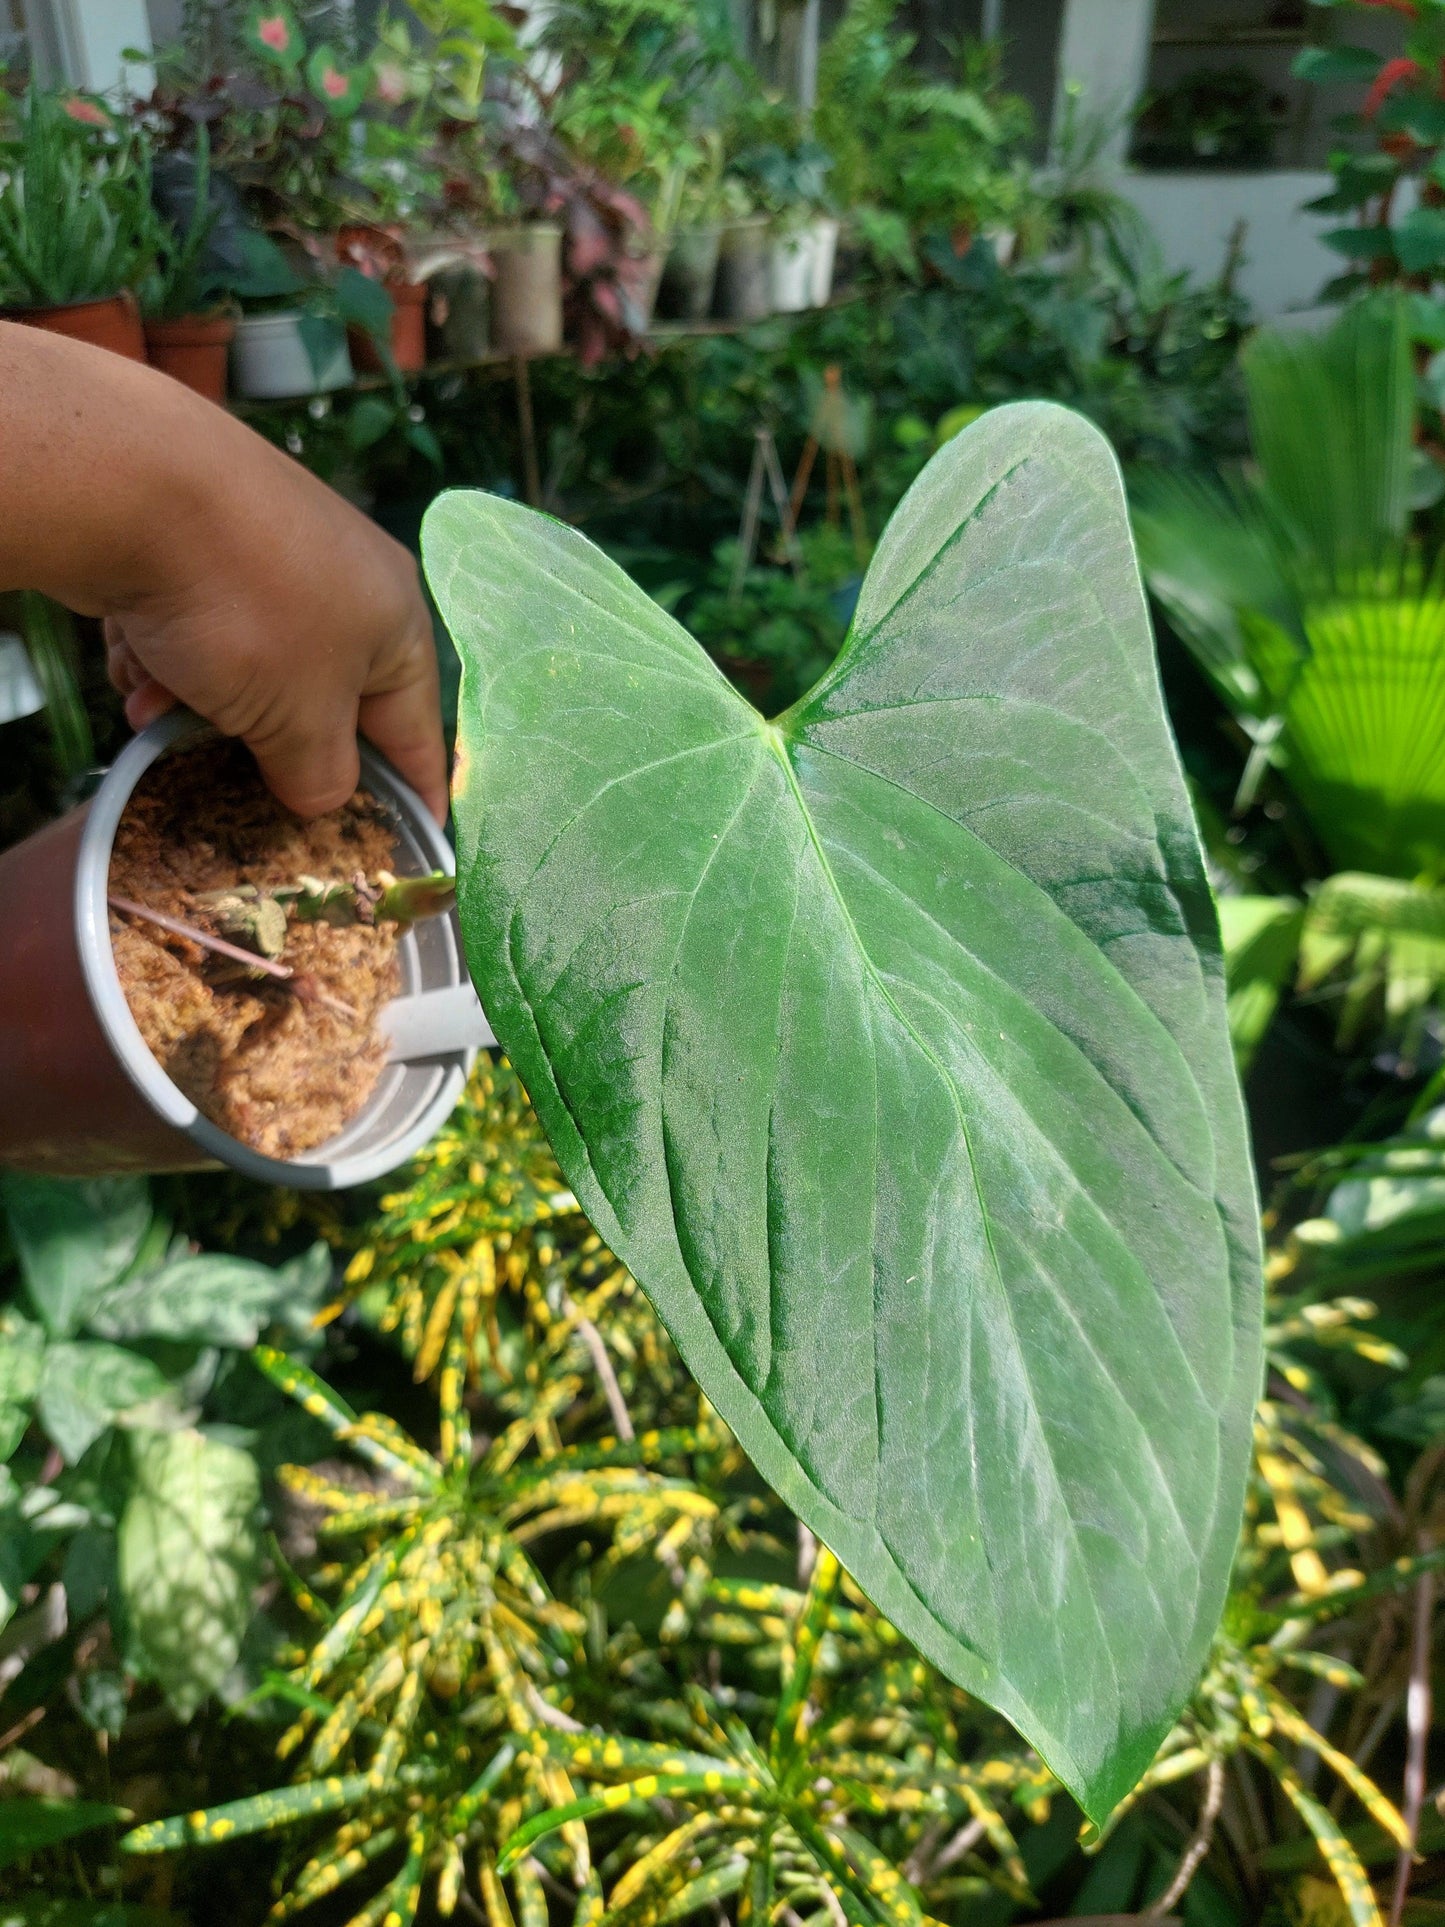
x=188 y=1559
x=73 y=1237
x=886 y=1044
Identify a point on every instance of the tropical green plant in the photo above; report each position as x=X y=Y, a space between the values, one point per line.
x=74 y=206
x=1318 y=617
x=775 y=626
x=185 y=278
x=1399 y=134
x=465 y=1694
x=772 y=151
x=815 y=1012
x=109 y=1351
x=914 y=155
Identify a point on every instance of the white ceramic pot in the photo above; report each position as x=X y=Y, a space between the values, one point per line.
x=790 y=271
x=275 y=357
x=825 y=248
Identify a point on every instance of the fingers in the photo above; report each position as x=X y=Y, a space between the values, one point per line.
x=146 y=700
x=405 y=725
x=121 y=665
x=311 y=765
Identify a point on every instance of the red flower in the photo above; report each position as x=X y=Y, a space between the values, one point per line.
x=274 y=32
x=1387 y=80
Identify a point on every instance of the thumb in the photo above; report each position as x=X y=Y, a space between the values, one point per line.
x=311 y=766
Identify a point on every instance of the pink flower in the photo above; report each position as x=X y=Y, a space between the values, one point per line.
x=334 y=85
x=86 y=112
x=274 y=33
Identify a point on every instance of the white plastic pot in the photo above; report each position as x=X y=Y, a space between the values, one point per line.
x=272 y=356
x=790 y=271
x=80 y=1092
x=825 y=250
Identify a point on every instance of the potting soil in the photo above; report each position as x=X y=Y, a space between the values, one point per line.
x=277 y=1069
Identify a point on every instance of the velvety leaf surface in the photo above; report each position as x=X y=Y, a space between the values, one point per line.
x=886 y=1044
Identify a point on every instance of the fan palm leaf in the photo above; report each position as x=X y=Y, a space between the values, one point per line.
x=1299 y=590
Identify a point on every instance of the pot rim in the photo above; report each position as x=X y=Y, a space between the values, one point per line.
x=510 y=233
x=125 y=297
x=272 y=318
x=331 y=1165
x=205 y=329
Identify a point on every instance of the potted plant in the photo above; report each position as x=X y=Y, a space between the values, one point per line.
x=132 y=980
x=786 y=171
x=694 y=233
x=916 y=158
x=377 y=251
x=527 y=292
x=73 y=223
x=743 y=291
x=189 y=316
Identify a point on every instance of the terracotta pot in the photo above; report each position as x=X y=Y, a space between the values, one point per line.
x=113 y=323
x=408 y=332
x=80 y=1093
x=376 y=248
x=527 y=298
x=193 y=349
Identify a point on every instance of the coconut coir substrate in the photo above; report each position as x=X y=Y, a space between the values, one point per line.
x=280 y=1071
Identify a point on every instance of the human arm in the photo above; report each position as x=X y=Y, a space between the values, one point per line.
x=228 y=578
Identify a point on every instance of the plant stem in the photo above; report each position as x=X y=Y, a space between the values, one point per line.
x=251 y=959
x=302 y=987
x=1199 y=1845
x=616 y=1404
x=1417 y=1727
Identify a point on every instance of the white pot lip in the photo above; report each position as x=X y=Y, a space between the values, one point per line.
x=276 y=318
x=325 y=1168
x=512 y=230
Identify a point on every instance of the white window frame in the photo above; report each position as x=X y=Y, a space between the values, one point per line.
x=81 y=43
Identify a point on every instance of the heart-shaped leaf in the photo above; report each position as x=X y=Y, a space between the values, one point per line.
x=886 y=1044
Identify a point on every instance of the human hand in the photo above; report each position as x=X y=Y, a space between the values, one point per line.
x=229 y=578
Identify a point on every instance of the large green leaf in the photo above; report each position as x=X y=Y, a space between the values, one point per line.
x=22 y=1350
x=886 y=1044
x=187 y=1561
x=86 y=1386
x=26 y=1826
x=202 y=1300
x=73 y=1237
x=1261 y=947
